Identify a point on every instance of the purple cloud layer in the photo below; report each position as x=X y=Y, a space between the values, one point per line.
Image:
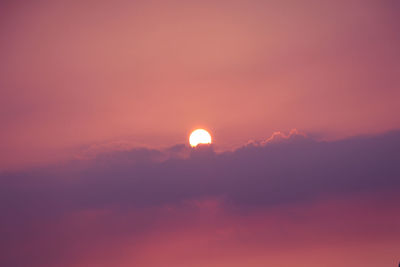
x=289 y=171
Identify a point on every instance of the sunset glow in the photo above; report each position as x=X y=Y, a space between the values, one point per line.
x=199 y=136
x=190 y=133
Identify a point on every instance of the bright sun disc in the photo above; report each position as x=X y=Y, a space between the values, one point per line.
x=199 y=136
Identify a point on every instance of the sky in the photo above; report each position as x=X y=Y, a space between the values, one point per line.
x=148 y=72
x=98 y=98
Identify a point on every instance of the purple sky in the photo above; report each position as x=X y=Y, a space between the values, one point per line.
x=291 y=200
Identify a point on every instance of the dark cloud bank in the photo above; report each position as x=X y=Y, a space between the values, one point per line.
x=282 y=171
x=296 y=168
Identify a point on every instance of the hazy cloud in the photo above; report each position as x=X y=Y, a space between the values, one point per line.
x=138 y=192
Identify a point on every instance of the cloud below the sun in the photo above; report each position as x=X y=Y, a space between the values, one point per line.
x=136 y=198
x=283 y=168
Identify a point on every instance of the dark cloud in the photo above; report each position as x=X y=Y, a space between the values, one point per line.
x=293 y=169
x=285 y=170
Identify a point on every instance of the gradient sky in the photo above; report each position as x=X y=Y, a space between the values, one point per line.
x=97 y=99
x=74 y=73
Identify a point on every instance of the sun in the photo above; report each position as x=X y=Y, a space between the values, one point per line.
x=199 y=136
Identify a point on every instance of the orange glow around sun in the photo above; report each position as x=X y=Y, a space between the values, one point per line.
x=199 y=136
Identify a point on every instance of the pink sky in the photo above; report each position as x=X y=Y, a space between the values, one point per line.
x=97 y=100
x=77 y=73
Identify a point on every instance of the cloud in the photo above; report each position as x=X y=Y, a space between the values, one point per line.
x=137 y=198
x=281 y=169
